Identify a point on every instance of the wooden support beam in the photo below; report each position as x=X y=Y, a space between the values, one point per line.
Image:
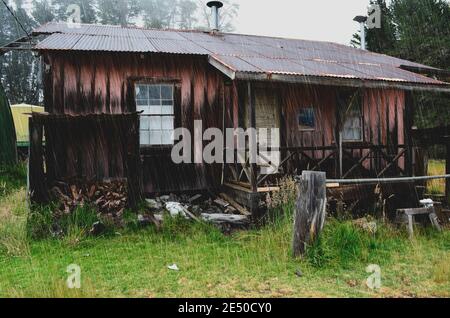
x=310 y=211
x=391 y=163
x=253 y=142
x=408 y=124
x=447 y=171
x=359 y=163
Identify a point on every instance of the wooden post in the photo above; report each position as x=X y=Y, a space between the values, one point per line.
x=408 y=125
x=341 y=155
x=36 y=177
x=310 y=210
x=447 y=171
x=253 y=138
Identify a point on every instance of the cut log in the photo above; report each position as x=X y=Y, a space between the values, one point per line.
x=310 y=211
x=234 y=219
x=109 y=197
x=235 y=205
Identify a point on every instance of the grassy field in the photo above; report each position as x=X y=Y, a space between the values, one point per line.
x=133 y=262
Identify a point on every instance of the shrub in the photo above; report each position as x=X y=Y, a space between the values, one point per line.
x=343 y=244
x=282 y=202
x=43 y=223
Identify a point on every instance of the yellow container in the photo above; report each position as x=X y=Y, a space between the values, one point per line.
x=21 y=113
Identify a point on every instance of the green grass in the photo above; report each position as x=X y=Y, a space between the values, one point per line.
x=436 y=168
x=133 y=262
x=12 y=178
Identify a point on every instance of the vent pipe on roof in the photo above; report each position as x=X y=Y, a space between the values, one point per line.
x=362 y=22
x=215 y=6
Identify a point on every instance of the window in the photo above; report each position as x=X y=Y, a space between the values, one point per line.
x=306 y=119
x=157 y=118
x=353 y=125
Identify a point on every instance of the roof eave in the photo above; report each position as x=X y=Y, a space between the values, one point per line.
x=230 y=73
x=346 y=82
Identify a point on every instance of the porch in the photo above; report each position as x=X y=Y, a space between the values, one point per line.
x=380 y=120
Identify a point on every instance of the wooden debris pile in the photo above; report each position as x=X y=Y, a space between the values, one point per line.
x=108 y=197
x=220 y=209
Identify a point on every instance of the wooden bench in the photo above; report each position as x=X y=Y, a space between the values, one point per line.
x=411 y=213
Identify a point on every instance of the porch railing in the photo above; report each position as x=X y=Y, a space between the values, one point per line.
x=360 y=160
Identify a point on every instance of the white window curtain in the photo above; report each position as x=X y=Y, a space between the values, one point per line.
x=353 y=126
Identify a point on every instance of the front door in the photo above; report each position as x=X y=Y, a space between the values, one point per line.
x=267 y=112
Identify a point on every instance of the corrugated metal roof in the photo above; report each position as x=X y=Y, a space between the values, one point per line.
x=237 y=53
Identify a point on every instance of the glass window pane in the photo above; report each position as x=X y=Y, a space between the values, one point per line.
x=142 y=108
x=154 y=92
x=144 y=137
x=145 y=123
x=167 y=110
x=155 y=123
x=151 y=100
x=168 y=102
x=141 y=102
x=155 y=137
x=154 y=110
x=166 y=137
x=167 y=123
x=141 y=92
x=306 y=118
x=167 y=92
x=154 y=102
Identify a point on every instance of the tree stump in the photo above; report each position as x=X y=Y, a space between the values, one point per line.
x=310 y=211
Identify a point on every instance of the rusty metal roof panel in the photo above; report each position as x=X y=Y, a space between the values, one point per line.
x=161 y=34
x=177 y=47
x=59 y=41
x=279 y=66
x=113 y=44
x=224 y=48
x=300 y=67
x=239 y=53
x=235 y=64
x=196 y=36
x=390 y=73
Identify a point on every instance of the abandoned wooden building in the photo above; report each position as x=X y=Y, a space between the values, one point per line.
x=339 y=109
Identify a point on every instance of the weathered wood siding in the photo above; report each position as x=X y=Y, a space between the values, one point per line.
x=382 y=114
x=85 y=83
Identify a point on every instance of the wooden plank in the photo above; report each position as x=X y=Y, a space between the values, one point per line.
x=234 y=204
x=239 y=186
x=310 y=211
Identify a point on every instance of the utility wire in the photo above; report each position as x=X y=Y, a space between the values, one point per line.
x=15 y=17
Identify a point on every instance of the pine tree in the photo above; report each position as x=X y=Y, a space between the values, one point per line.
x=43 y=11
x=19 y=70
x=379 y=40
x=118 y=12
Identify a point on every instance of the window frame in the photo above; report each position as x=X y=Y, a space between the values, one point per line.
x=361 y=121
x=303 y=128
x=133 y=81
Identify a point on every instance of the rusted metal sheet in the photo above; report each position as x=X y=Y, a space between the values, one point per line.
x=238 y=53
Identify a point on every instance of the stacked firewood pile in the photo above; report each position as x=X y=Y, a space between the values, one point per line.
x=108 y=197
